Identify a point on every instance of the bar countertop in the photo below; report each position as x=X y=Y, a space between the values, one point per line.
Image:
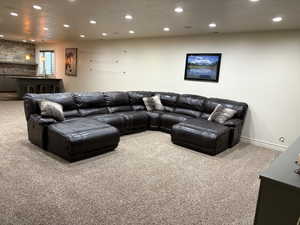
x=35 y=78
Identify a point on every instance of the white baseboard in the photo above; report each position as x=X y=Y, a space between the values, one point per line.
x=264 y=144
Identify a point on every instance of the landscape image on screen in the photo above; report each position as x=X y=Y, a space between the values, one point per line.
x=202 y=67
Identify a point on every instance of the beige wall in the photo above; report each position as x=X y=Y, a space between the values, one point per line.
x=261 y=69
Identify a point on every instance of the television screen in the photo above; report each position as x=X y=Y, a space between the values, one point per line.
x=203 y=67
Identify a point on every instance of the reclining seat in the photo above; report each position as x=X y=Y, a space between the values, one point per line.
x=119 y=104
x=93 y=105
x=236 y=123
x=169 y=117
x=76 y=137
x=81 y=138
x=38 y=126
x=136 y=100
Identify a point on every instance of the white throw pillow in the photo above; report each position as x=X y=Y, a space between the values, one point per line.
x=221 y=114
x=52 y=109
x=153 y=103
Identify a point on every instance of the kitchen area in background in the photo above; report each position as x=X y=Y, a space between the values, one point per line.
x=19 y=71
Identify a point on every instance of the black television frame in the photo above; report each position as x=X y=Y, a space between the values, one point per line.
x=202 y=79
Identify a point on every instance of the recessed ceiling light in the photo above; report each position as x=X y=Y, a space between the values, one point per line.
x=24 y=41
x=277 y=19
x=167 y=29
x=66 y=25
x=32 y=40
x=14 y=14
x=131 y=32
x=178 y=10
x=82 y=35
x=104 y=34
x=93 y=22
x=1 y=36
x=212 y=25
x=128 y=17
x=37 y=7
x=45 y=28
x=254 y=0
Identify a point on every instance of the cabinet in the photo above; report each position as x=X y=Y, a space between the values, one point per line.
x=7 y=84
x=38 y=85
x=279 y=193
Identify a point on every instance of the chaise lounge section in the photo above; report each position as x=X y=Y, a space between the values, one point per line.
x=94 y=121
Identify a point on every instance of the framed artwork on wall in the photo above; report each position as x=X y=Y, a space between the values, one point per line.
x=71 y=62
x=203 y=67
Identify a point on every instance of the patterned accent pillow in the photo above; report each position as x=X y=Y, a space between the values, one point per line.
x=221 y=114
x=52 y=109
x=153 y=103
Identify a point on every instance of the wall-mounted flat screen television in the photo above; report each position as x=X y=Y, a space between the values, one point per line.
x=203 y=67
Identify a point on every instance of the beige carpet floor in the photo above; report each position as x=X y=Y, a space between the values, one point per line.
x=147 y=180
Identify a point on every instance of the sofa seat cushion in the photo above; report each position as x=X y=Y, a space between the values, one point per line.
x=202 y=135
x=76 y=124
x=135 y=119
x=81 y=136
x=114 y=119
x=233 y=123
x=154 y=119
x=169 y=119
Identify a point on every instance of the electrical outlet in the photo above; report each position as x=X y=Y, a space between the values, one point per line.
x=282 y=139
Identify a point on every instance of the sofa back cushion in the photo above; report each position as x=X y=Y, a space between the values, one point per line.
x=136 y=99
x=211 y=103
x=72 y=113
x=191 y=105
x=168 y=99
x=90 y=100
x=65 y=99
x=117 y=101
x=91 y=103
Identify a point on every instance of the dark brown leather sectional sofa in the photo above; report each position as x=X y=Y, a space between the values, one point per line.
x=94 y=122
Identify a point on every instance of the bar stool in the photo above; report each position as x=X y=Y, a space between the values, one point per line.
x=57 y=89
x=51 y=88
x=30 y=89
x=42 y=88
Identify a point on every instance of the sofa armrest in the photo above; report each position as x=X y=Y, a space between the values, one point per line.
x=233 y=123
x=42 y=120
x=236 y=129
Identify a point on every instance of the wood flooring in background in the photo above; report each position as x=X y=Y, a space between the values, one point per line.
x=7 y=96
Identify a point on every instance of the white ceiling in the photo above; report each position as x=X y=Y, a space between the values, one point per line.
x=149 y=17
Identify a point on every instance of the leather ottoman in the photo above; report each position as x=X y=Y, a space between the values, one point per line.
x=201 y=135
x=81 y=138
